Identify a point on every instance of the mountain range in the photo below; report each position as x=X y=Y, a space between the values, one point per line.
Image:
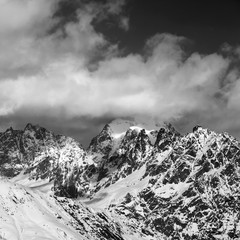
x=134 y=181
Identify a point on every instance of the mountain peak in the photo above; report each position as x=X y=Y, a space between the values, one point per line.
x=106 y=130
x=197 y=127
x=30 y=126
x=121 y=126
x=10 y=129
x=35 y=129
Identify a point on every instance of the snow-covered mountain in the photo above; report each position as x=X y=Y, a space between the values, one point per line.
x=134 y=181
x=30 y=213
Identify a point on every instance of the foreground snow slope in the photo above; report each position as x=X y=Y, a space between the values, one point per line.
x=30 y=214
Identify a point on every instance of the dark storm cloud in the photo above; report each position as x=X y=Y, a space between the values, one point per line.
x=69 y=78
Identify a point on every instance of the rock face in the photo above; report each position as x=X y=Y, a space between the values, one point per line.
x=40 y=154
x=150 y=181
x=192 y=190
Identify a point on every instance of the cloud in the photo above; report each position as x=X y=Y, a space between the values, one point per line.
x=46 y=74
x=23 y=16
x=124 y=23
x=31 y=38
x=164 y=85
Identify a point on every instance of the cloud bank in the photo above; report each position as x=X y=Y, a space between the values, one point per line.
x=74 y=72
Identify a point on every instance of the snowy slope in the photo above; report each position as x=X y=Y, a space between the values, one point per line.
x=116 y=192
x=29 y=214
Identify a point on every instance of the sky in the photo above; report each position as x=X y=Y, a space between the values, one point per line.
x=74 y=65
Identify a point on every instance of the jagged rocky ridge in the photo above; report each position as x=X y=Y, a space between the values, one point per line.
x=39 y=153
x=155 y=182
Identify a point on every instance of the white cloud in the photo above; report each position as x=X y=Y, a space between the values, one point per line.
x=163 y=86
x=23 y=15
